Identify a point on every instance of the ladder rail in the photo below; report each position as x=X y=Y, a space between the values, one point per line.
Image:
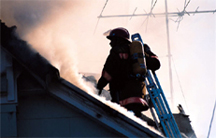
x=159 y=101
x=161 y=108
x=155 y=119
x=155 y=100
x=164 y=98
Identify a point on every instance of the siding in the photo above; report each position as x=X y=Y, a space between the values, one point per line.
x=40 y=115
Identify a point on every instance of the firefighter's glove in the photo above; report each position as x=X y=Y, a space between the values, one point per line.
x=101 y=84
x=99 y=92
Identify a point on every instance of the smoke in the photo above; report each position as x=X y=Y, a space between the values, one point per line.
x=48 y=27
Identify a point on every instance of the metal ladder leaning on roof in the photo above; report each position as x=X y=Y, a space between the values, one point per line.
x=167 y=121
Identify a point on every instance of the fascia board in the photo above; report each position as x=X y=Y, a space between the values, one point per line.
x=76 y=97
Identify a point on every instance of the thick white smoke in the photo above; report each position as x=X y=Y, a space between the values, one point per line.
x=49 y=28
x=54 y=39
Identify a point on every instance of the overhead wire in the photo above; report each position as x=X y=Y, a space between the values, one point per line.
x=179 y=82
x=212 y=118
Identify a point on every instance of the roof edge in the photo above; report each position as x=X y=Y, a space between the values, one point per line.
x=72 y=95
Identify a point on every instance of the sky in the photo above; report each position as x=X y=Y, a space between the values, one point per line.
x=70 y=35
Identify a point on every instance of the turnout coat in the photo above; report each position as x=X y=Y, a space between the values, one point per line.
x=125 y=90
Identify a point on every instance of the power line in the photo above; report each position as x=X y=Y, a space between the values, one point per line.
x=211 y=120
x=179 y=82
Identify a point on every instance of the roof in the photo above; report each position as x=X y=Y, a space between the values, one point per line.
x=66 y=92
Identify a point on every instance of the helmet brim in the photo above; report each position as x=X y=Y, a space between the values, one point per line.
x=111 y=37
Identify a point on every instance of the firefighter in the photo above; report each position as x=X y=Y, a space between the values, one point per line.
x=124 y=90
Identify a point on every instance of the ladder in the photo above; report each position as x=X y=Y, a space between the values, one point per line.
x=167 y=121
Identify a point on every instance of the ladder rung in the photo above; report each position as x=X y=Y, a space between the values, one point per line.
x=165 y=117
x=154 y=94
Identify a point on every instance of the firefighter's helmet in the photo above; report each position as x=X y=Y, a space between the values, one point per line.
x=119 y=32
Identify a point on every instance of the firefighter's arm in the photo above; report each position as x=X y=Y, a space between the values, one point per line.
x=152 y=61
x=148 y=51
x=103 y=81
x=108 y=71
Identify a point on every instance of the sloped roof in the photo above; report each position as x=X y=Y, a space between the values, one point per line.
x=49 y=76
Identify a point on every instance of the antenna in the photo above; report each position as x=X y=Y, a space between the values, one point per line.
x=101 y=14
x=167 y=14
x=150 y=13
x=133 y=13
x=181 y=14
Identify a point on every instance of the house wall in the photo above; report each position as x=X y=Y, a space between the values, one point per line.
x=28 y=110
x=40 y=115
x=8 y=121
x=8 y=97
